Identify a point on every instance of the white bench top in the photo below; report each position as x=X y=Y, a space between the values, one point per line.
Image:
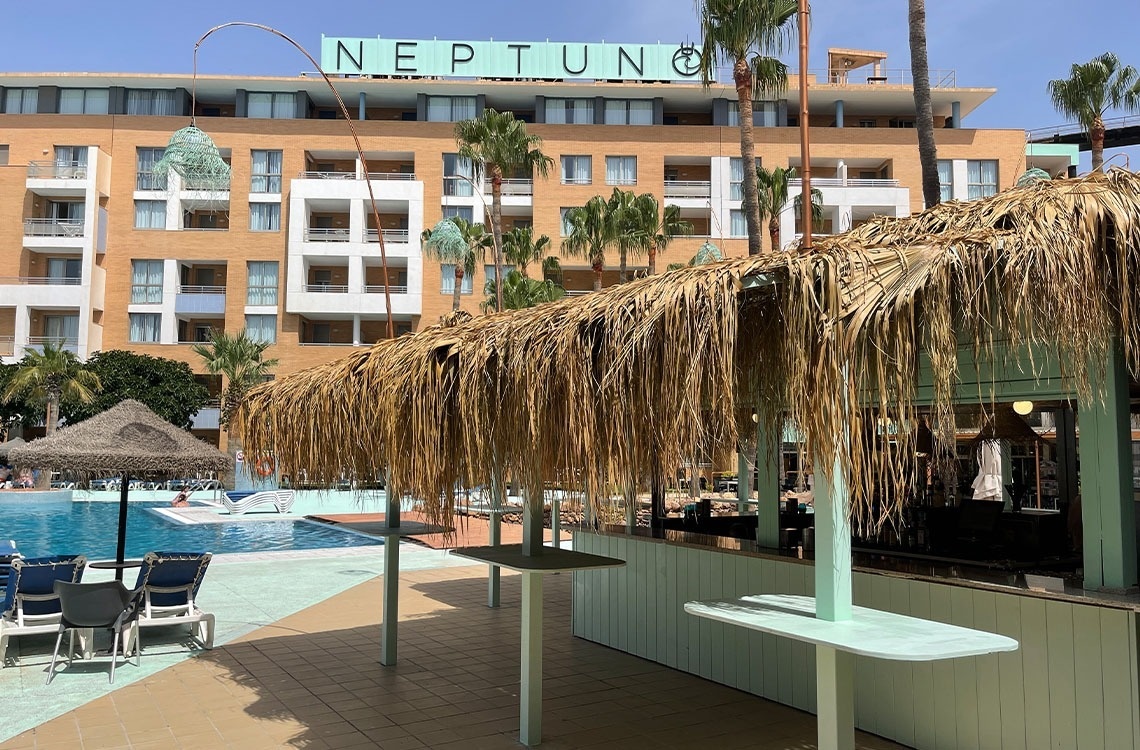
x=870 y=632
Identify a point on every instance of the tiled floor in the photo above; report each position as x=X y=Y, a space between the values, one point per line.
x=312 y=680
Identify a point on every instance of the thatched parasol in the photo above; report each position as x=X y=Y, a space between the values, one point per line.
x=128 y=440
x=8 y=445
x=610 y=388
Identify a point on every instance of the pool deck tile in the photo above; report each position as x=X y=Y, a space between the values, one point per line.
x=312 y=680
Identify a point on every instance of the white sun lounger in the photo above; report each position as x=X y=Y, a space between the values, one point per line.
x=282 y=500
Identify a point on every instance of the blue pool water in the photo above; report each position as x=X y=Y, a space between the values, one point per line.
x=89 y=528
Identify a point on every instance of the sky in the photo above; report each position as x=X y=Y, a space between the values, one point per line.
x=1015 y=46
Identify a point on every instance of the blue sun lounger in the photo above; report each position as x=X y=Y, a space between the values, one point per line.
x=31 y=605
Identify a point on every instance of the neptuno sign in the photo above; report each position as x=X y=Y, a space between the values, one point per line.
x=437 y=57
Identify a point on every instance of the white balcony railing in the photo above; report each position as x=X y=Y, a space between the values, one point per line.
x=192 y=289
x=7 y=346
x=513 y=186
x=67 y=343
x=326 y=288
x=576 y=181
x=853 y=182
x=688 y=189
x=150 y=181
x=390 y=235
x=391 y=176
x=52 y=228
x=379 y=289
x=326 y=234
x=42 y=280
x=54 y=170
x=328 y=175
x=202 y=184
x=326 y=343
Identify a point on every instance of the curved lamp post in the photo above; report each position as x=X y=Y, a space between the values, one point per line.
x=193 y=154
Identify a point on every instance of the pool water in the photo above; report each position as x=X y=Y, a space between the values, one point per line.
x=90 y=528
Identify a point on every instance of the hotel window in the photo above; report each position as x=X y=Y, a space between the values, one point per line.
x=145 y=328
x=150 y=214
x=271 y=106
x=621 y=170
x=261 y=328
x=868 y=124
x=146 y=282
x=264 y=217
x=489 y=271
x=146 y=179
x=981 y=178
x=737 y=225
x=629 y=112
x=946 y=179
x=265 y=172
x=447 y=280
x=65 y=270
x=62 y=328
x=71 y=161
x=3 y=156
x=450 y=108
x=763 y=114
x=736 y=178
x=570 y=111
x=157 y=102
x=21 y=101
x=262 y=289
x=455 y=170
x=83 y=101
x=567 y=227
x=464 y=212
x=577 y=170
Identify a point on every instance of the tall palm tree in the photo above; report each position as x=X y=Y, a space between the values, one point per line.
x=746 y=34
x=774 y=193
x=455 y=240
x=662 y=227
x=49 y=376
x=923 y=109
x=520 y=248
x=591 y=230
x=1092 y=89
x=498 y=144
x=238 y=358
x=630 y=231
x=520 y=292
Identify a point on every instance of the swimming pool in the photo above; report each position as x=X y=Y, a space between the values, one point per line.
x=89 y=528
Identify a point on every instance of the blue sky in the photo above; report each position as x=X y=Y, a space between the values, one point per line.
x=1015 y=46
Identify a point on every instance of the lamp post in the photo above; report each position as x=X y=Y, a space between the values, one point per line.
x=198 y=139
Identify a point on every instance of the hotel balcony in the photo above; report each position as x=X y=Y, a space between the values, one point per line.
x=55 y=234
x=41 y=291
x=210 y=220
x=58 y=179
x=150 y=182
x=199 y=330
x=327 y=234
x=513 y=187
x=328 y=290
x=683 y=189
x=67 y=343
x=209 y=417
x=7 y=346
x=688 y=180
x=200 y=300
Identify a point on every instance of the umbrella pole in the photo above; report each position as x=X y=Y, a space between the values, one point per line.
x=120 y=550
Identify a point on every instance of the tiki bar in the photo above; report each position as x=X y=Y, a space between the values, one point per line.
x=888 y=479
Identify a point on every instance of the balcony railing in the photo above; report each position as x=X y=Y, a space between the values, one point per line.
x=688 y=189
x=576 y=180
x=845 y=182
x=7 y=346
x=391 y=176
x=379 y=289
x=42 y=280
x=66 y=343
x=54 y=170
x=150 y=181
x=326 y=343
x=326 y=288
x=390 y=235
x=52 y=228
x=578 y=292
x=199 y=184
x=197 y=289
x=326 y=234
x=328 y=175
x=513 y=186
x=459 y=187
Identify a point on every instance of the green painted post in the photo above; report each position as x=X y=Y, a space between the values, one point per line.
x=833 y=547
x=767 y=488
x=1107 y=509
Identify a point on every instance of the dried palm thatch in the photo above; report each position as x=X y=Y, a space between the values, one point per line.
x=128 y=439
x=606 y=390
x=8 y=445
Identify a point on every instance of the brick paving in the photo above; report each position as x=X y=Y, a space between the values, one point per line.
x=312 y=680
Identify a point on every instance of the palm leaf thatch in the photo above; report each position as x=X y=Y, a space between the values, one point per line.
x=613 y=388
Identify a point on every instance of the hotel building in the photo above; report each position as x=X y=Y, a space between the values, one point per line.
x=98 y=251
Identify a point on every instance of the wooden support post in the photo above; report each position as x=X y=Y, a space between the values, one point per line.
x=530 y=680
x=495 y=533
x=835 y=698
x=391 y=614
x=768 y=488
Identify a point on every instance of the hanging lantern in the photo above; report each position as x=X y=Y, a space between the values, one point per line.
x=192 y=155
x=707 y=253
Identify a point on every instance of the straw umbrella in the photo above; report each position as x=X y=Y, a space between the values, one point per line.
x=8 y=445
x=128 y=440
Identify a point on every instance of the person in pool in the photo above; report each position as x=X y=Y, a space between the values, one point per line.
x=182 y=499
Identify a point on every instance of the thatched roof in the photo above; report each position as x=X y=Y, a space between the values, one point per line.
x=128 y=438
x=605 y=389
x=8 y=445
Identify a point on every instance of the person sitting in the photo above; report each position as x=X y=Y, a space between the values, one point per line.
x=182 y=499
x=26 y=480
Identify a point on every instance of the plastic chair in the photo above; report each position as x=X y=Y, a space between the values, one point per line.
x=87 y=606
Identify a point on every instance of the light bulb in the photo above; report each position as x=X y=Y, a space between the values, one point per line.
x=1023 y=407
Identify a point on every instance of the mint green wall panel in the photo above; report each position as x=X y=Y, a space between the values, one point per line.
x=1011 y=675
x=903 y=721
x=1119 y=703
x=988 y=672
x=1088 y=679
x=923 y=715
x=965 y=673
x=1035 y=655
x=945 y=710
x=1062 y=694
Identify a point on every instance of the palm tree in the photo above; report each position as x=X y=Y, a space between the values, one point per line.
x=774 y=193
x=454 y=240
x=49 y=376
x=498 y=144
x=1092 y=89
x=520 y=248
x=746 y=34
x=630 y=232
x=591 y=230
x=520 y=292
x=661 y=227
x=923 y=109
x=238 y=358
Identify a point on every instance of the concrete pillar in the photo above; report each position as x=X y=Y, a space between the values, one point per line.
x=768 y=487
x=838 y=113
x=361 y=106
x=356 y=330
x=1108 y=511
x=956 y=114
x=356 y=274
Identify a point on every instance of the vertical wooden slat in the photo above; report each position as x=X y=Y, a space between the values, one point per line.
x=1062 y=678
x=769 y=646
x=803 y=654
x=879 y=597
x=1011 y=674
x=1035 y=657
x=640 y=598
x=1088 y=678
x=741 y=640
x=965 y=673
x=621 y=600
x=756 y=660
x=922 y=674
x=652 y=600
x=1119 y=662
x=945 y=711
x=900 y=714
x=866 y=701
x=784 y=684
x=987 y=673
x=672 y=608
x=724 y=650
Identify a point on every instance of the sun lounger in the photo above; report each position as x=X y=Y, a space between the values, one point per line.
x=169 y=583
x=8 y=553
x=237 y=502
x=31 y=605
